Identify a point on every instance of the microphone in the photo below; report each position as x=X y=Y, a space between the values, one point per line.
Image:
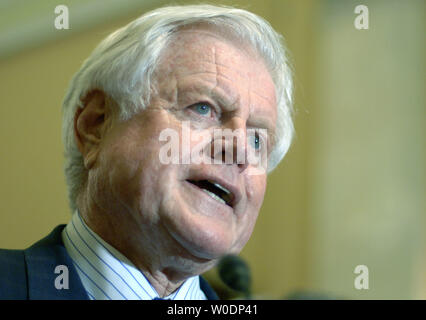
x=235 y=273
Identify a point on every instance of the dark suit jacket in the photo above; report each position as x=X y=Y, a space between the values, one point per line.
x=30 y=274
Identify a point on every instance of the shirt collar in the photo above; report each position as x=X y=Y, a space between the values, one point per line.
x=107 y=274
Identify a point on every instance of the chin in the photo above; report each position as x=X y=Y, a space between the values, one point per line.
x=208 y=237
x=211 y=245
x=204 y=239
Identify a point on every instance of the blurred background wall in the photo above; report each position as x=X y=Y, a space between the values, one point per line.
x=350 y=192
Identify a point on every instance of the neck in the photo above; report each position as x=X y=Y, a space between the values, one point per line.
x=164 y=263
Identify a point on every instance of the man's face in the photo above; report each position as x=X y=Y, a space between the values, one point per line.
x=213 y=84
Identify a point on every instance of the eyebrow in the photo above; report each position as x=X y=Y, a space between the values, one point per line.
x=209 y=88
x=222 y=100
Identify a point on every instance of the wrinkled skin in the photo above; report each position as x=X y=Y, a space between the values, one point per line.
x=148 y=210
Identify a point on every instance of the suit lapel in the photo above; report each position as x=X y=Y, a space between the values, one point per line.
x=208 y=291
x=41 y=260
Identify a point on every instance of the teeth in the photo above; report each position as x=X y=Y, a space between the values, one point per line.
x=220 y=187
x=211 y=194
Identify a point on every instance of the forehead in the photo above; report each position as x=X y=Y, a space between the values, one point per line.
x=204 y=50
x=203 y=59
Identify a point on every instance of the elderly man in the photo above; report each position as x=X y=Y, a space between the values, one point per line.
x=144 y=227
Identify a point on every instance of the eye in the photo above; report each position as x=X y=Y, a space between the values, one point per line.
x=202 y=108
x=255 y=141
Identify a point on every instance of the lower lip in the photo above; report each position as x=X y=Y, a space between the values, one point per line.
x=216 y=202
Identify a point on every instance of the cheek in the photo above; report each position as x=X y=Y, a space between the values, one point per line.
x=255 y=189
x=129 y=169
x=245 y=232
x=116 y=177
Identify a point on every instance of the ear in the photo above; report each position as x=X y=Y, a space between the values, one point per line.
x=90 y=124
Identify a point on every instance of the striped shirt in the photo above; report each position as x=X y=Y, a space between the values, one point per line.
x=106 y=274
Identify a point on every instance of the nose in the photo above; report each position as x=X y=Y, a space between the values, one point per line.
x=229 y=144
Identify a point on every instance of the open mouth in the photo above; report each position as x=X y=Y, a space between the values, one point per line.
x=215 y=190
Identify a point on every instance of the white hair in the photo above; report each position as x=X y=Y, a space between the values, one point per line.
x=122 y=66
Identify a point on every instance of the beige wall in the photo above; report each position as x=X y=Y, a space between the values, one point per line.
x=368 y=184
x=349 y=192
